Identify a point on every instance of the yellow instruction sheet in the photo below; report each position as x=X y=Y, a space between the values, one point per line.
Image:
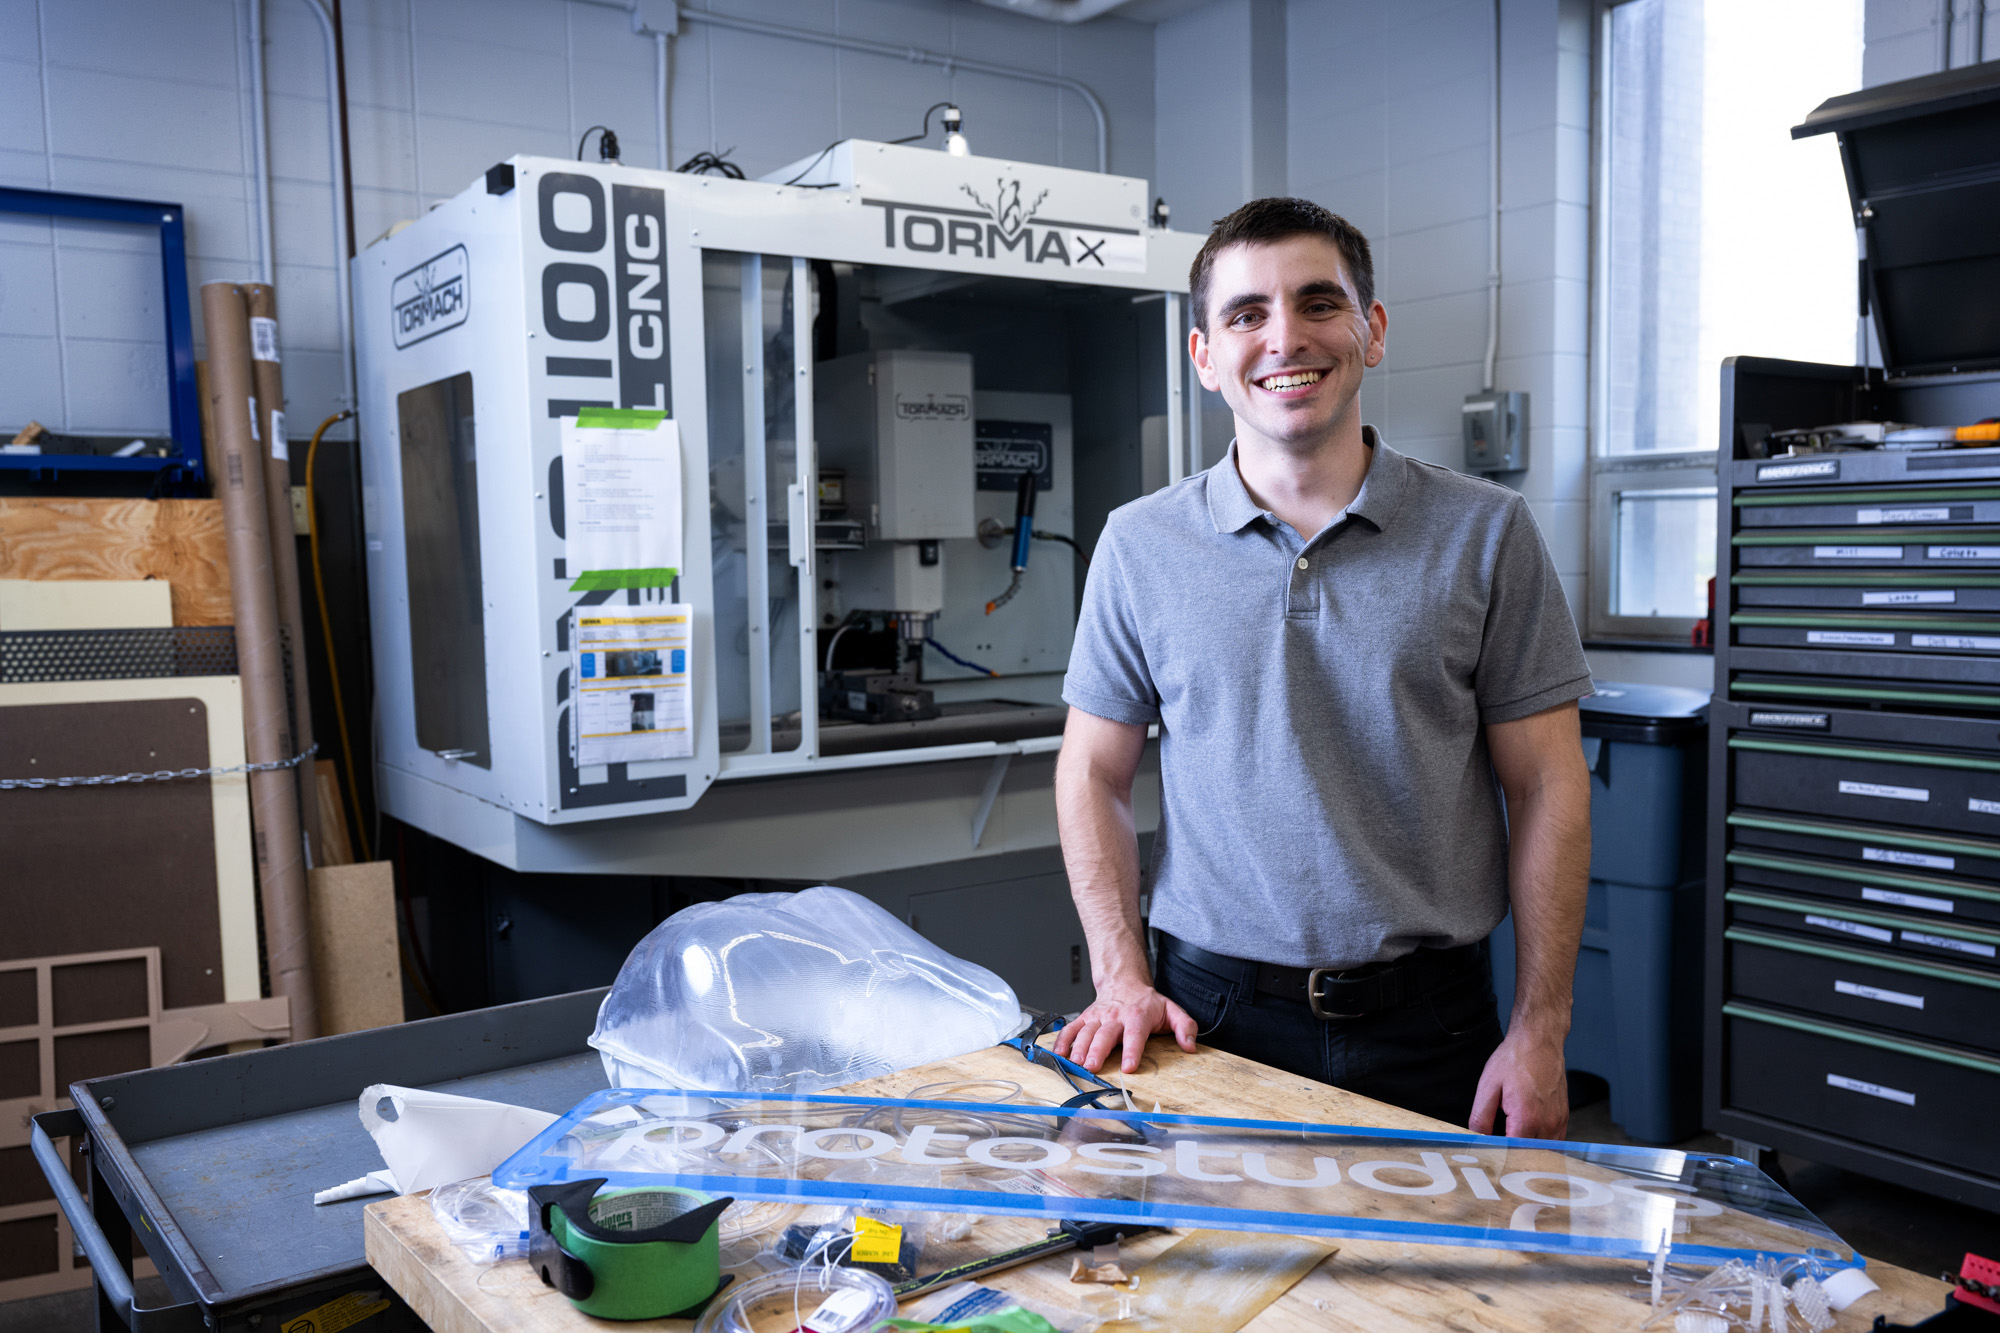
x=632 y=685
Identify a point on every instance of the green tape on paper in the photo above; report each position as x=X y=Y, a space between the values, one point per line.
x=618 y=418
x=603 y=580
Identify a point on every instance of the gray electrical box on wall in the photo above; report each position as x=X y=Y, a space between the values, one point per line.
x=1496 y=431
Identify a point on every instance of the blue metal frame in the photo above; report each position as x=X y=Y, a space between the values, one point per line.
x=183 y=464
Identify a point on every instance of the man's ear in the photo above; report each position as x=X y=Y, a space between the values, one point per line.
x=1204 y=369
x=1378 y=334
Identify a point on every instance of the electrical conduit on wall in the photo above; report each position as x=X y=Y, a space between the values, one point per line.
x=915 y=55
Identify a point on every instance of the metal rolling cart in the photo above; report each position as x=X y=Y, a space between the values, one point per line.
x=212 y=1165
x=1853 y=924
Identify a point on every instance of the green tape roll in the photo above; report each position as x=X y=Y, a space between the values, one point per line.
x=641 y=1279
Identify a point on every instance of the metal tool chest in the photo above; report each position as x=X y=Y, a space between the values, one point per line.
x=1853 y=925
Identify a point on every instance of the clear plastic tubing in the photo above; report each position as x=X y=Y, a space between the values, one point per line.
x=782 y=1301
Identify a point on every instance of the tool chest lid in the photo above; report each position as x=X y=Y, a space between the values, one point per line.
x=1922 y=158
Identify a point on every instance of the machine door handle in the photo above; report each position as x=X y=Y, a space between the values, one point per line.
x=798 y=525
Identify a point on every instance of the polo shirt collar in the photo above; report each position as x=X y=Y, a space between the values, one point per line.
x=1231 y=508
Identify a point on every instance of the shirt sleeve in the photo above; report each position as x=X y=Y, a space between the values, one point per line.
x=1530 y=658
x=1108 y=674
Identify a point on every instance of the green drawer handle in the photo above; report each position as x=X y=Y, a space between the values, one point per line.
x=1867 y=537
x=1866 y=833
x=1845 y=912
x=1861 y=692
x=1834 y=618
x=1856 y=752
x=1786 y=499
x=1865 y=578
x=1901 y=1045
x=1890 y=962
x=1858 y=875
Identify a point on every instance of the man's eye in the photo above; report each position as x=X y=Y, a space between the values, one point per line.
x=1247 y=317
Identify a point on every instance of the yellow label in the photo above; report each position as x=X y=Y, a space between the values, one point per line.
x=877 y=1243
x=589 y=621
x=339 y=1313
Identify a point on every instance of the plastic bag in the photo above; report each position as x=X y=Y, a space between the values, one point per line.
x=485 y=1222
x=792 y=992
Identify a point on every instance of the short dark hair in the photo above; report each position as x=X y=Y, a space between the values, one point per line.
x=1262 y=221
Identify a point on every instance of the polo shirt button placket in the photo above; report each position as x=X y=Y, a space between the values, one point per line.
x=1304 y=596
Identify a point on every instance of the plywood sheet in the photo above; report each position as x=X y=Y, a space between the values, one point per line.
x=356 y=969
x=86 y=604
x=126 y=866
x=179 y=542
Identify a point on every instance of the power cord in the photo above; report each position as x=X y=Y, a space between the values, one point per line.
x=706 y=163
x=326 y=624
x=607 y=146
x=817 y=159
x=925 y=133
x=969 y=666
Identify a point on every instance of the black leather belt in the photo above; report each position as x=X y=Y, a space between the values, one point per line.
x=1351 y=992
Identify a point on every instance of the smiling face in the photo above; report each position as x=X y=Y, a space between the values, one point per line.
x=1286 y=341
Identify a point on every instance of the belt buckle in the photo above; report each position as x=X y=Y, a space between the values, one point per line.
x=1313 y=995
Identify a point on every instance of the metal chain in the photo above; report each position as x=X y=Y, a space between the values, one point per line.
x=162 y=775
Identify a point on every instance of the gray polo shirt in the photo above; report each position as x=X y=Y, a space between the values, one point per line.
x=1327 y=796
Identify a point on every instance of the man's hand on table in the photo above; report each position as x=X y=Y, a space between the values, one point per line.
x=1128 y=1013
x=1525 y=1079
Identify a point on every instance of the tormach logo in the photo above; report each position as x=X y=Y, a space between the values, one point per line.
x=1007 y=227
x=430 y=298
x=931 y=407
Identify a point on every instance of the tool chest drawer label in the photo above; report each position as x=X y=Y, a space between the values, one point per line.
x=1907 y=899
x=1871 y=1089
x=1850 y=638
x=1964 y=552
x=1812 y=721
x=1939 y=597
x=1853 y=928
x=1902 y=858
x=1972 y=947
x=1984 y=643
x=1885 y=791
x=1857 y=553
x=1861 y=992
x=1940 y=515
x=1979 y=807
x=1824 y=467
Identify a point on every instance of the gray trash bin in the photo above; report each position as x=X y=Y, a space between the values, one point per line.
x=1637 y=1021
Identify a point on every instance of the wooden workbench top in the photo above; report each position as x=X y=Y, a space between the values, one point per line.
x=1372 y=1285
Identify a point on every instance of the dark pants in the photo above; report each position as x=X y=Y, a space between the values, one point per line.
x=1424 y=1055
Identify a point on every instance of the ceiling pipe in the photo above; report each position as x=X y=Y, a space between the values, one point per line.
x=1059 y=11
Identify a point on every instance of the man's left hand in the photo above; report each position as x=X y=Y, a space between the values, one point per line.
x=1525 y=1080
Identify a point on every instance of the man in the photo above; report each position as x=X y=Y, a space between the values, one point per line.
x=1351 y=655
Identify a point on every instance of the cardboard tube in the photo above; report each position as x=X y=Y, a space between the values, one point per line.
x=267 y=732
x=269 y=376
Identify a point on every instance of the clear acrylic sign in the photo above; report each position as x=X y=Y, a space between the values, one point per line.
x=1174 y=1170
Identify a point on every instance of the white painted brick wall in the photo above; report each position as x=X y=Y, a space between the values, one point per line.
x=142 y=99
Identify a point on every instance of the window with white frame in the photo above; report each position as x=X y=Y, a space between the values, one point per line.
x=1717 y=235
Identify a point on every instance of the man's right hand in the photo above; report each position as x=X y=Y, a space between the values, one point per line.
x=1129 y=1014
